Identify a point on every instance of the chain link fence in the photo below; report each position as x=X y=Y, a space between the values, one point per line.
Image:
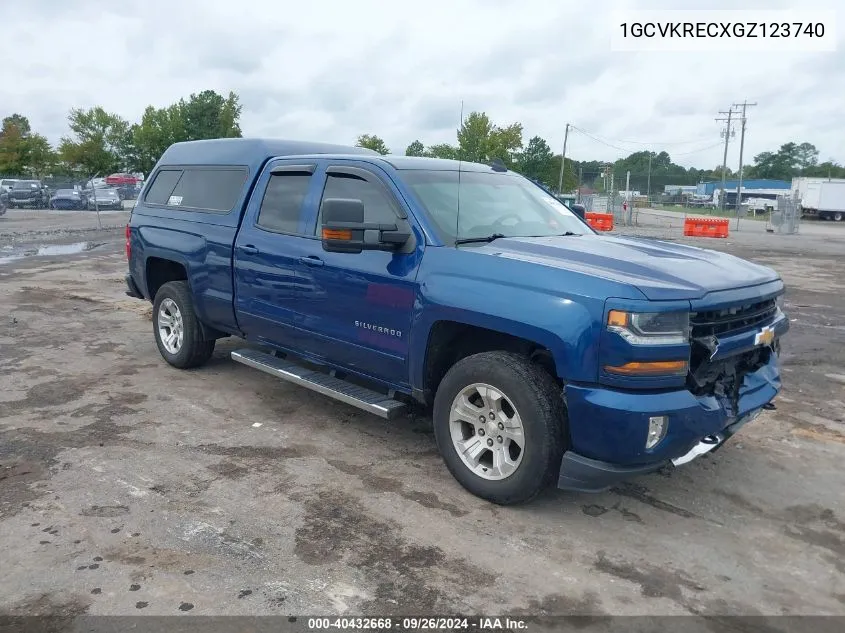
x=785 y=217
x=625 y=211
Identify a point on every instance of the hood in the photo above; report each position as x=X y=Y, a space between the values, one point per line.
x=662 y=271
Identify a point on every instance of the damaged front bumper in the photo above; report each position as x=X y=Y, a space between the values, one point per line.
x=608 y=428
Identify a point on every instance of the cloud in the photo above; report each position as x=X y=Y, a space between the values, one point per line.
x=332 y=70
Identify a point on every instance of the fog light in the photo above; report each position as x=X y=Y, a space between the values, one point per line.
x=657 y=426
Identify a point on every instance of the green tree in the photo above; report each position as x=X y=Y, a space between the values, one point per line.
x=204 y=115
x=373 y=142
x=791 y=159
x=570 y=174
x=480 y=141
x=40 y=155
x=159 y=129
x=535 y=161
x=827 y=169
x=23 y=152
x=100 y=144
x=415 y=149
x=18 y=121
x=505 y=143
x=807 y=156
x=210 y=115
x=13 y=146
x=474 y=137
x=442 y=150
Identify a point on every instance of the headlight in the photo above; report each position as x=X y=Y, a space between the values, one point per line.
x=780 y=301
x=650 y=328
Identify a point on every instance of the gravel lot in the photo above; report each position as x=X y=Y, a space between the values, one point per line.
x=128 y=487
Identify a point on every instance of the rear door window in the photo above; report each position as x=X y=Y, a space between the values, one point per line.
x=281 y=207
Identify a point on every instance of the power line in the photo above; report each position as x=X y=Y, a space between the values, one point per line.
x=606 y=141
x=700 y=149
x=598 y=140
x=626 y=149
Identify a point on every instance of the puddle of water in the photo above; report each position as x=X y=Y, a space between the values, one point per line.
x=47 y=251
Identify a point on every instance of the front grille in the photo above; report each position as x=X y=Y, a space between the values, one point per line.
x=733 y=319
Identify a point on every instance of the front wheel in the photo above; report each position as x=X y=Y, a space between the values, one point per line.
x=499 y=423
x=177 y=331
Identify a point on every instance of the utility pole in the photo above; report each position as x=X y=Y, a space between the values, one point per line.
x=580 y=180
x=744 y=105
x=648 y=182
x=730 y=113
x=563 y=160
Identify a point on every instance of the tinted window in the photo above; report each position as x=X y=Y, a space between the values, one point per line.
x=378 y=201
x=282 y=203
x=208 y=189
x=162 y=186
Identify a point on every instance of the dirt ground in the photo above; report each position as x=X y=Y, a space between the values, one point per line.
x=128 y=487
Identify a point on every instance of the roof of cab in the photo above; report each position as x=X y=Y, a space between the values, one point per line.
x=434 y=164
x=252 y=152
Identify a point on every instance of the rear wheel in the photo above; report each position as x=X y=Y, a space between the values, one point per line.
x=500 y=426
x=837 y=217
x=177 y=331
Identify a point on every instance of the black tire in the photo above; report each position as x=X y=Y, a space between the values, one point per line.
x=537 y=398
x=195 y=350
x=837 y=217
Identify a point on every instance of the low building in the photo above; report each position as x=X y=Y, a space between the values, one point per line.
x=680 y=190
x=748 y=186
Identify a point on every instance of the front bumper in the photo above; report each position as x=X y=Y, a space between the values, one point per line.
x=608 y=427
x=582 y=474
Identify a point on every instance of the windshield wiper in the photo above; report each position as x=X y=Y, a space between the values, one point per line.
x=480 y=240
x=566 y=234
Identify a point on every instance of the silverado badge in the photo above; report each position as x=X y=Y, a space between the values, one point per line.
x=765 y=336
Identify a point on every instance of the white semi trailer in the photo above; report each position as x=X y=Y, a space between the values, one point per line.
x=821 y=198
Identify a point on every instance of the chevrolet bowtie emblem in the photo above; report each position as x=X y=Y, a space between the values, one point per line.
x=766 y=336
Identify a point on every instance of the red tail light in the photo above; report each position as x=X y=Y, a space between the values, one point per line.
x=128 y=244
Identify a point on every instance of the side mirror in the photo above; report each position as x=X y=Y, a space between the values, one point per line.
x=580 y=211
x=344 y=229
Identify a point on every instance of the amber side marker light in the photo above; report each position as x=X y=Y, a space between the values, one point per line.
x=337 y=234
x=617 y=318
x=652 y=368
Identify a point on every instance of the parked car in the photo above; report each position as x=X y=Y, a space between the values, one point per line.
x=547 y=353
x=29 y=193
x=105 y=199
x=4 y=202
x=121 y=180
x=6 y=184
x=68 y=199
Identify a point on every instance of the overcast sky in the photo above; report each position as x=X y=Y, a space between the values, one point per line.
x=330 y=70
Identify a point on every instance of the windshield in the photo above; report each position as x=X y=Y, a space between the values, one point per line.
x=26 y=184
x=490 y=203
x=106 y=193
x=66 y=192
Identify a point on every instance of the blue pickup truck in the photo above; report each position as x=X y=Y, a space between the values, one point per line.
x=546 y=353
